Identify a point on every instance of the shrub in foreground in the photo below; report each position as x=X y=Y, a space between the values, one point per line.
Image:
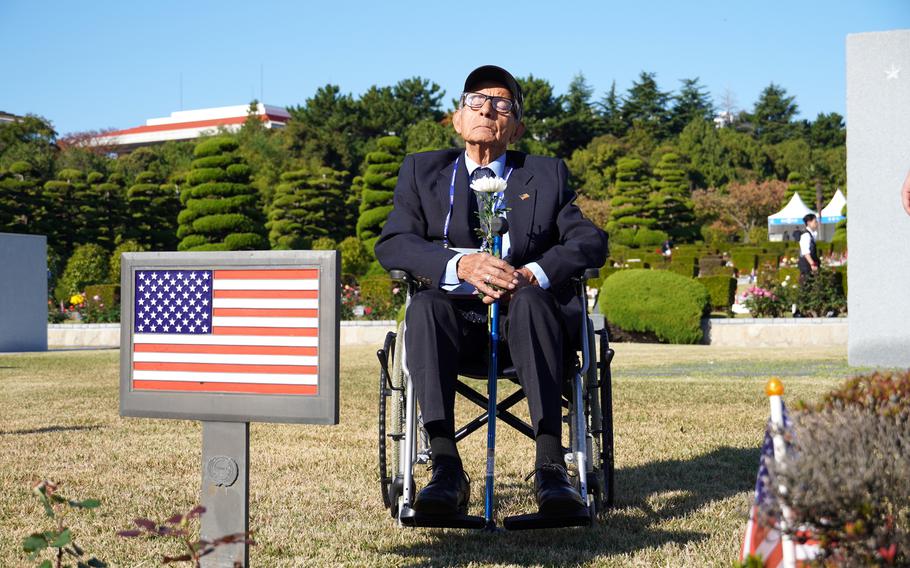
x=847 y=482
x=657 y=301
x=722 y=290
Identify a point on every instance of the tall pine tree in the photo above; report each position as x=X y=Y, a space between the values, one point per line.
x=108 y=209
x=221 y=208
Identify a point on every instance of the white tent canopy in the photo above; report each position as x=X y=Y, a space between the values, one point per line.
x=834 y=211
x=791 y=214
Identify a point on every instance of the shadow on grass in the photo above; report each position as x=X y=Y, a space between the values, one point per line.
x=48 y=429
x=646 y=497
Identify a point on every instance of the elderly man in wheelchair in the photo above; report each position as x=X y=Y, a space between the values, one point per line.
x=431 y=236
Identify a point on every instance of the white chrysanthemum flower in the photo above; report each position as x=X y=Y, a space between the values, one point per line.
x=489 y=185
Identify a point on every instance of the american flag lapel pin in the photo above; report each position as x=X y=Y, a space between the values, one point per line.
x=524 y=196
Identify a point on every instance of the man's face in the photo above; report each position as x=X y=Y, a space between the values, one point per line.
x=485 y=125
x=813 y=224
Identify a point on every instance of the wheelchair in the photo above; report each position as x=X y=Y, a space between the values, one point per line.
x=589 y=412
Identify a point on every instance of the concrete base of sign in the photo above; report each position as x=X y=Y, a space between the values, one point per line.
x=878 y=159
x=23 y=292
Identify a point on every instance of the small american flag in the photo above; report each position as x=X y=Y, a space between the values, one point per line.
x=763 y=539
x=242 y=331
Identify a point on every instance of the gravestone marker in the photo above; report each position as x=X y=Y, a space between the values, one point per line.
x=878 y=159
x=23 y=292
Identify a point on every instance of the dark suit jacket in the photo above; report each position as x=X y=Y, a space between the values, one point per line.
x=545 y=225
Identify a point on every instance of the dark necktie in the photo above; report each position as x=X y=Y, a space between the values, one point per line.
x=480 y=173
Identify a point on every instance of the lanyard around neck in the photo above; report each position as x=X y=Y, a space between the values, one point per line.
x=445 y=229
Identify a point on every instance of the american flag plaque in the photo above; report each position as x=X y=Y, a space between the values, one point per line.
x=230 y=336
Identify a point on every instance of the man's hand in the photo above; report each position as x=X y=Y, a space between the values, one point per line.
x=905 y=194
x=484 y=271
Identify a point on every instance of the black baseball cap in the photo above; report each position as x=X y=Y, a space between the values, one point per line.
x=497 y=75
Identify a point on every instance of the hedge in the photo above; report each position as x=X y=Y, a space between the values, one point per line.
x=684 y=267
x=657 y=301
x=108 y=294
x=722 y=290
x=89 y=264
x=743 y=260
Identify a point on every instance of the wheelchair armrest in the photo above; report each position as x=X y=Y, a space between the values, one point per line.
x=400 y=275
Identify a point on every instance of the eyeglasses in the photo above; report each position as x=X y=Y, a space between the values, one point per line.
x=476 y=101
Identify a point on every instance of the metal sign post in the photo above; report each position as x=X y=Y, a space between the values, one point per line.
x=225 y=489
x=230 y=338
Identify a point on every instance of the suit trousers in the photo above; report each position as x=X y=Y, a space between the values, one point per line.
x=440 y=341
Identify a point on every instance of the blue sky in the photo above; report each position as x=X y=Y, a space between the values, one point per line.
x=99 y=64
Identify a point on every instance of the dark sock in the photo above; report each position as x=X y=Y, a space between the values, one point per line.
x=442 y=444
x=549 y=450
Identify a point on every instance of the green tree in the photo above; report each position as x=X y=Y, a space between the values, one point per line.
x=629 y=201
x=693 y=102
x=797 y=183
x=578 y=123
x=106 y=213
x=610 y=107
x=773 y=114
x=308 y=205
x=593 y=168
x=646 y=104
x=263 y=150
x=153 y=208
x=827 y=131
x=32 y=140
x=62 y=221
x=20 y=198
x=325 y=130
x=709 y=166
x=671 y=201
x=221 y=209
x=379 y=179
x=390 y=110
x=428 y=135
x=542 y=110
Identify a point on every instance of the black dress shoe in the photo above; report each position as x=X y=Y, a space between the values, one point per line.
x=447 y=493
x=555 y=495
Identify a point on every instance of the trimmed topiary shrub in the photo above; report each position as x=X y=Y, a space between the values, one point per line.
x=657 y=301
x=106 y=295
x=126 y=246
x=355 y=259
x=722 y=290
x=88 y=265
x=379 y=179
x=221 y=210
x=744 y=260
x=153 y=208
x=307 y=205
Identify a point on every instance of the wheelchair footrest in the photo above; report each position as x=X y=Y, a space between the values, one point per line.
x=411 y=518
x=531 y=521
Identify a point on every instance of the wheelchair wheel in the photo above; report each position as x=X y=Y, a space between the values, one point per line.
x=604 y=426
x=391 y=421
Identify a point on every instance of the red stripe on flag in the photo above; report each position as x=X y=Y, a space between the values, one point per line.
x=226 y=387
x=291 y=331
x=228 y=349
x=276 y=274
x=310 y=294
x=224 y=368
x=266 y=312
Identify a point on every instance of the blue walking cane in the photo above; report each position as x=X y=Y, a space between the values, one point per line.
x=499 y=226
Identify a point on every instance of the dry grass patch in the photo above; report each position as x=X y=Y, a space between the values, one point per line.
x=689 y=422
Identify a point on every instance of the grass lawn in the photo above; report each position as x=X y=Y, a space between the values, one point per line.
x=689 y=421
